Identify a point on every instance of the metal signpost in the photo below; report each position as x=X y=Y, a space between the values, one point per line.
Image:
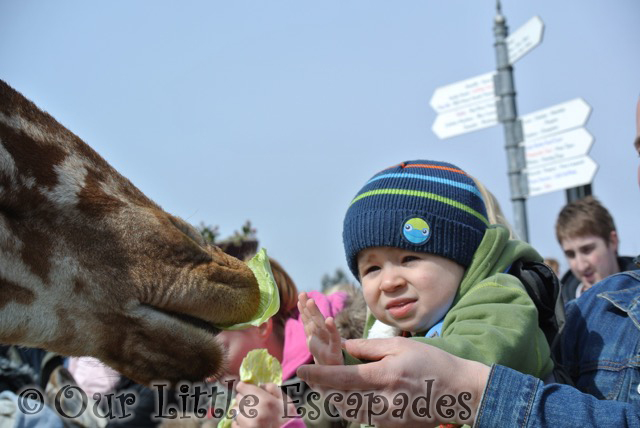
x=546 y=150
x=508 y=116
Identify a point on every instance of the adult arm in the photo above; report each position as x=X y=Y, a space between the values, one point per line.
x=402 y=366
x=498 y=396
x=523 y=400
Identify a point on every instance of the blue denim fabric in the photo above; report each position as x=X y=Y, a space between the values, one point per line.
x=513 y=399
x=600 y=349
x=601 y=340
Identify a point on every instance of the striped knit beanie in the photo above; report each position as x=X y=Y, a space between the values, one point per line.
x=423 y=206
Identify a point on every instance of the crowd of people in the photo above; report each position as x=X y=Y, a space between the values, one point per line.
x=438 y=315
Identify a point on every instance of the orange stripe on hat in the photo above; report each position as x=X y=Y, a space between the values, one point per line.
x=418 y=165
x=423 y=165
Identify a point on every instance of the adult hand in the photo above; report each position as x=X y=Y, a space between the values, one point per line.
x=450 y=387
x=266 y=412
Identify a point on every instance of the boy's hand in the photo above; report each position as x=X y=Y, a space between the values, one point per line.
x=323 y=338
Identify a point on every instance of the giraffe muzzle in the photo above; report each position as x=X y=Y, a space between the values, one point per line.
x=187 y=319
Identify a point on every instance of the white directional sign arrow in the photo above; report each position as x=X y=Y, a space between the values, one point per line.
x=556 y=119
x=559 y=147
x=524 y=39
x=463 y=93
x=466 y=119
x=561 y=175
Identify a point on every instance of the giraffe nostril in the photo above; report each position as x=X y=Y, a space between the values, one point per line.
x=188 y=230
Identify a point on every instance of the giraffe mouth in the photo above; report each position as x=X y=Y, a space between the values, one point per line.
x=187 y=319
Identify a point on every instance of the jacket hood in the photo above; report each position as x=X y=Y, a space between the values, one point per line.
x=495 y=254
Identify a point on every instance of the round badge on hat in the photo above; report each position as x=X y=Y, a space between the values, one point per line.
x=416 y=230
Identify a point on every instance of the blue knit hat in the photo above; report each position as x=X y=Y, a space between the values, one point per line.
x=423 y=206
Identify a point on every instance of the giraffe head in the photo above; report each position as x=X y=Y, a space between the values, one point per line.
x=90 y=266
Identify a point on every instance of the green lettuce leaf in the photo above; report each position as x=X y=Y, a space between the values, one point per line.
x=258 y=367
x=269 y=296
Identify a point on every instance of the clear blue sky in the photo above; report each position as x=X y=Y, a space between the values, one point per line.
x=278 y=111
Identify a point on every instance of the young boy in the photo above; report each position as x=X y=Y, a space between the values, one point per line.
x=432 y=268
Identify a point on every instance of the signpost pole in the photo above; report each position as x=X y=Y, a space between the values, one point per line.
x=508 y=116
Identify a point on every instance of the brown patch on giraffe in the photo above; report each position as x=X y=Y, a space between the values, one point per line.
x=21 y=205
x=92 y=200
x=19 y=202
x=80 y=287
x=38 y=256
x=14 y=293
x=37 y=245
x=32 y=159
x=100 y=171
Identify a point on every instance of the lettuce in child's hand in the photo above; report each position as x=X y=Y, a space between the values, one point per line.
x=257 y=368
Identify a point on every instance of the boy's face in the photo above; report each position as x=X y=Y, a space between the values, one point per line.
x=405 y=289
x=591 y=258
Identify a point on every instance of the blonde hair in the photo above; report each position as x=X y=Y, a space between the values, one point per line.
x=553 y=264
x=494 y=212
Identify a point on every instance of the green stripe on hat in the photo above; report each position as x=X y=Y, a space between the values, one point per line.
x=419 y=194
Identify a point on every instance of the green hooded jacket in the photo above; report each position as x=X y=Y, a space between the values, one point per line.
x=492 y=318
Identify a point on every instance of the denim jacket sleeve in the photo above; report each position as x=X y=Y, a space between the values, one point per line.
x=515 y=399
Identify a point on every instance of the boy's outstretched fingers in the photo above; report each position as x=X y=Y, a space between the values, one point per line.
x=335 y=341
x=312 y=318
x=323 y=338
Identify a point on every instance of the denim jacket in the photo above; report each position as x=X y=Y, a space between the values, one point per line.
x=600 y=349
x=601 y=340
